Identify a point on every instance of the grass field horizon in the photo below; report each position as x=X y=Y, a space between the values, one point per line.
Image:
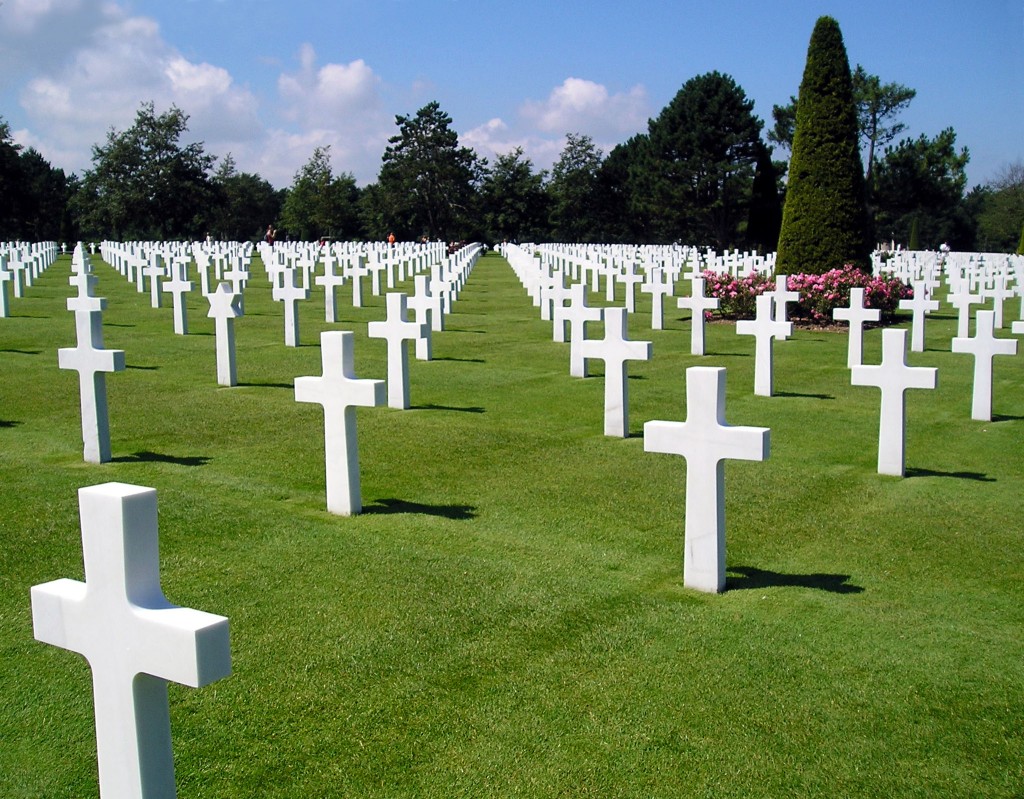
x=507 y=616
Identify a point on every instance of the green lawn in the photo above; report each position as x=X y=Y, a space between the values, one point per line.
x=507 y=616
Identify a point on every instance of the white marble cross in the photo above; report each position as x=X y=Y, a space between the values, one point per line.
x=920 y=305
x=5 y=277
x=615 y=349
x=697 y=304
x=330 y=280
x=706 y=441
x=225 y=308
x=154 y=270
x=984 y=346
x=577 y=313
x=423 y=303
x=782 y=295
x=630 y=278
x=91 y=361
x=856 y=314
x=765 y=330
x=893 y=377
x=289 y=293
x=658 y=287
x=177 y=287
x=962 y=299
x=134 y=640
x=340 y=392
x=397 y=330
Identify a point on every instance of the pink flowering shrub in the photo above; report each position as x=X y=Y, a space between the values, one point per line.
x=819 y=294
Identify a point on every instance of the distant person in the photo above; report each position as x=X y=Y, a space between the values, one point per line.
x=270 y=236
x=391 y=239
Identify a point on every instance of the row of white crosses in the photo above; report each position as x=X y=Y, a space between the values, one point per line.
x=20 y=264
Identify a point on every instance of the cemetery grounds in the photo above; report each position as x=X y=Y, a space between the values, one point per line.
x=507 y=617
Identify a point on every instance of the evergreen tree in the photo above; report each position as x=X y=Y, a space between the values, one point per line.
x=514 y=202
x=572 y=191
x=320 y=204
x=825 y=220
x=765 y=218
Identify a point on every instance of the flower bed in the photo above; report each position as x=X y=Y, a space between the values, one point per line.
x=819 y=294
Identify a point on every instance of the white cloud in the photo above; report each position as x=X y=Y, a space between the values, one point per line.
x=583 y=106
x=122 y=63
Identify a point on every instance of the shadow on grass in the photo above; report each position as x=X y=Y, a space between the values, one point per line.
x=266 y=385
x=760 y=578
x=24 y=352
x=463 y=330
x=141 y=368
x=1003 y=417
x=386 y=506
x=807 y=396
x=7 y=423
x=155 y=457
x=461 y=360
x=117 y=324
x=977 y=476
x=430 y=406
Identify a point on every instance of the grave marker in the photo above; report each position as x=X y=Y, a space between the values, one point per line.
x=134 y=640
x=984 y=346
x=577 y=313
x=893 y=376
x=706 y=442
x=225 y=308
x=397 y=330
x=615 y=349
x=289 y=293
x=340 y=392
x=697 y=303
x=919 y=305
x=856 y=315
x=765 y=330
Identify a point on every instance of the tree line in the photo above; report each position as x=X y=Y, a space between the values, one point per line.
x=703 y=173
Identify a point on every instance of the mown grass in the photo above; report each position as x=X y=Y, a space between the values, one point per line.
x=507 y=616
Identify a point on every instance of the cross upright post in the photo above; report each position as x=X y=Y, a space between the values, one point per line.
x=340 y=392
x=615 y=349
x=330 y=280
x=697 y=303
x=154 y=270
x=782 y=295
x=984 y=346
x=893 y=376
x=177 y=287
x=706 y=442
x=422 y=304
x=962 y=299
x=658 y=287
x=397 y=330
x=856 y=315
x=134 y=640
x=5 y=277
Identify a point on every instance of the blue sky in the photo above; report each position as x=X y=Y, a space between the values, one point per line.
x=269 y=81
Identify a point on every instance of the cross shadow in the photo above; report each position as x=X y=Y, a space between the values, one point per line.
x=155 y=457
x=142 y=368
x=761 y=578
x=266 y=385
x=24 y=352
x=978 y=476
x=808 y=396
x=462 y=330
x=432 y=407
x=1002 y=417
x=7 y=423
x=461 y=360
x=117 y=324
x=388 y=506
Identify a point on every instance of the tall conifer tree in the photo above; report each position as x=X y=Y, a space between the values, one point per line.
x=825 y=219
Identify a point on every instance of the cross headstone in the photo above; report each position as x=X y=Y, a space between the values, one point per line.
x=289 y=293
x=615 y=349
x=856 y=314
x=340 y=392
x=962 y=299
x=423 y=304
x=577 y=313
x=225 y=308
x=154 y=270
x=706 y=441
x=697 y=304
x=984 y=346
x=658 y=287
x=630 y=278
x=919 y=305
x=893 y=377
x=5 y=277
x=134 y=640
x=177 y=287
x=397 y=330
x=765 y=330
x=782 y=295
x=92 y=361
x=330 y=280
